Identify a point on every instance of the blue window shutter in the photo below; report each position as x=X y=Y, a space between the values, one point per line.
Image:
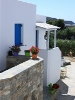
x=18 y=34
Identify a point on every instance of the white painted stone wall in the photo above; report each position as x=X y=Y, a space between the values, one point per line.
x=0 y=34
x=52 y=64
x=44 y=54
x=40 y=18
x=12 y=12
x=42 y=41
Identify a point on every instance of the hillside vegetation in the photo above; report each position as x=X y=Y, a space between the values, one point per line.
x=65 y=37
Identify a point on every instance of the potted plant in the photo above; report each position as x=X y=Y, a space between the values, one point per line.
x=27 y=53
x=15 y=50
x=52 y=88
x=10 y=52
x=55 y=86
x=34 y=50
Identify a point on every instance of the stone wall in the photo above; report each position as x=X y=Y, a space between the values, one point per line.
x=12 y=61
x=23 y=82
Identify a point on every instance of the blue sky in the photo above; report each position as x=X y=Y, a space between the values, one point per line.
x=63 y=9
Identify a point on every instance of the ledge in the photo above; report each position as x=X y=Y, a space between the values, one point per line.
x=19 y=68
x=18 y=56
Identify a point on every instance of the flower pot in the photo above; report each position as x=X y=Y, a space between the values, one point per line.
x=10 y=53
x=15 y=54
x=55 y=86
x=52 y=91
x=27 y=53
x=34 y=56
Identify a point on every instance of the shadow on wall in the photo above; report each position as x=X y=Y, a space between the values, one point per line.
x=63 y=90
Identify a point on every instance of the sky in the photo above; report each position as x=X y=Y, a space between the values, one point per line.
x=63 y=9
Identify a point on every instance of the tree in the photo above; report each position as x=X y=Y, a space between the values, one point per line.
x=60 y=23
x=49 y=22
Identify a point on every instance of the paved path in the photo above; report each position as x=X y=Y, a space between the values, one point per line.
x=67 y=85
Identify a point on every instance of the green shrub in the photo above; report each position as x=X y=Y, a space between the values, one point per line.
x=68 y=33
x=65 y=46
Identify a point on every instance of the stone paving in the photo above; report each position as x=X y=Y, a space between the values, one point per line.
x=67 y=85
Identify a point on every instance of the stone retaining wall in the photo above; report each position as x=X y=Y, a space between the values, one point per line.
x=23 y=82
x=12 y=61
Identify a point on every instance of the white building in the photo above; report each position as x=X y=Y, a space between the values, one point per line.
x=14 y=12
x=21 y=26
x=52 y=57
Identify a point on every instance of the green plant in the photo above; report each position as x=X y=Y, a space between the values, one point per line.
x=15 y=49
x=52 y=90
x=68 y=33
x=65 y=46
x=50 y=86
x=34 y=50
x=53 y=87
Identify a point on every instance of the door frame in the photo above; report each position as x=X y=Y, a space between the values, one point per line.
x=37 y=38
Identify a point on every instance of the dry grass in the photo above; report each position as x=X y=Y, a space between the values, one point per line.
x=70 y=58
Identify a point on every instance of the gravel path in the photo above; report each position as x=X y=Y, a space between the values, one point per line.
x=72 y=59
x=67 y=85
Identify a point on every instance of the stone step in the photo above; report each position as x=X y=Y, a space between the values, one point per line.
x=67 y=62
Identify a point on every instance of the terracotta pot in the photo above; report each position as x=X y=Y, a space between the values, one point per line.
x=34 y=55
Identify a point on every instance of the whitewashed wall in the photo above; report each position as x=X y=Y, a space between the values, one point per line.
x=0 y=35
x=52 y=64
x=42 y=41
x=40 y=18
x=44 y=54
x=12 y=12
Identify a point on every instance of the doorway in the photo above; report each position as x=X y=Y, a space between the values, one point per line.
x=37 y=38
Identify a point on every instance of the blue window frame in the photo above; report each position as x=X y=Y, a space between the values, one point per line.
x=18 y=34
x=37 y=38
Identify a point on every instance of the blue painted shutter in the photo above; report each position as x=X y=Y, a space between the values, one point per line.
x=18 y=34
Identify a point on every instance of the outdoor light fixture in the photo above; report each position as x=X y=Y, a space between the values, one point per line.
x=45 y=36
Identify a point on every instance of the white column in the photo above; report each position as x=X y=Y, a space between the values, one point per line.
x=48 y=40
x=54 y=38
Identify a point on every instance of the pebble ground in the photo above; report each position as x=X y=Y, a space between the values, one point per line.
x=67 y=85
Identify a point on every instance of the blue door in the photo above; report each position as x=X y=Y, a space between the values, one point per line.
x=18 y=34
x=37 y=38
